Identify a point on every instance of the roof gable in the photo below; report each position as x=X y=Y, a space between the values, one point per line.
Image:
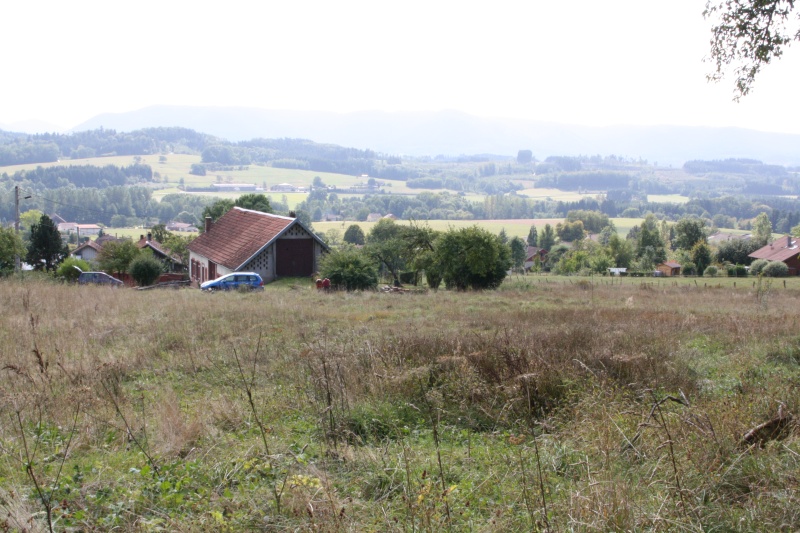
x=240 y=234
x=779 y=250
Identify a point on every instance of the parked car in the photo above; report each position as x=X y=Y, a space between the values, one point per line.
x=236 y=280
x=100 y=278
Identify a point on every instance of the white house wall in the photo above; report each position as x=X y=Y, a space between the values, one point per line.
x=263 y=264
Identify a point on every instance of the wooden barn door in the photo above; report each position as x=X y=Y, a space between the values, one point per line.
x=294 y=257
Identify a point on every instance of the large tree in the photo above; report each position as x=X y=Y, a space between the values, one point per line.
x=472 y=258
x=688 y=232
x=748 y=34
x=11 y=247
x=762 y=229
x=46 y=250
x=116 y=256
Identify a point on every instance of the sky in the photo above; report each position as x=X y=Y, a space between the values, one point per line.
x=579 y=62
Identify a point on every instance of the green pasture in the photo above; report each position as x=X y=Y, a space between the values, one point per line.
x=555 y=195
x=513 y=227
x=667 y=198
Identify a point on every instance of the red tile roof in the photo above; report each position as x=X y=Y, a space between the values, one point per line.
x=239 y=235
x=780 y=250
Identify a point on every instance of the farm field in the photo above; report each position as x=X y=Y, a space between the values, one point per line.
x=556 y=194
x=561 y=404
x=513 y=227
x=667 y=198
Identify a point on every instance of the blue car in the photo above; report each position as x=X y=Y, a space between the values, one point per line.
x=237 y=280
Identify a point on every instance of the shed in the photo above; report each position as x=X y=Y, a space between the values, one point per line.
x=274 y=246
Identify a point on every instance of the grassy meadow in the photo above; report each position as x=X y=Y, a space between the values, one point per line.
x=518 y=227
x=552 y=404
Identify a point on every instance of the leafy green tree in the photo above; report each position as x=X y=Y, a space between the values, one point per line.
x=45 y=250
x=386 y=244
x=349 y=268
x=518 y=252
x=472 y=258
x=503 y=236
x=116 y=256
x=178 y=245
x=254 y=202
x=620 y=250
x=736 y=251
x=688 y=232
x=533 y=236
x=701 y=256
x=11 y=247
x=67 y=270
x=524 y=156
x=216 y=210
x=198 y=169
x=650 y=250
x=145 y=269
x=354 y=235
x=570 y=231
x=762 y=229
x=748 y=34
x=548 y=237
x=160 y=233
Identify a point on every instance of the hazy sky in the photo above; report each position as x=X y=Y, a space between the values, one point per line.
x=581 y=62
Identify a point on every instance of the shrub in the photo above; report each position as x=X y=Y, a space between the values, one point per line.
x=711 y=271
x=472 y=258
x=145 y=269
x=737 y=271
x=689 y=269
x=775 y=269
x=68 y=271
x=350 y=269
x=757 y=266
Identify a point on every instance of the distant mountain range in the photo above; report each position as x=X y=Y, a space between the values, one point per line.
x=456 y=133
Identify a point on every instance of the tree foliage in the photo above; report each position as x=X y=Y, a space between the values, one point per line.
x=748 y=34
x=472 y=258
x=762 y=229
x=67 y=270
x=354 y=235
x=11 y=247
x=116 y=256
x=45 y=250
x=145 y=269
x=688 y=232
x=349 y=268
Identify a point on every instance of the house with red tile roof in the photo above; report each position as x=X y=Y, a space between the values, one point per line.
x=243 y=240
x=785 y=250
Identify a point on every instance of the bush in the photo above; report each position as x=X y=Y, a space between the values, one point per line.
x=775 y=269
x=145 y=269
x=757 y=266
x=68 y=271
x=711 y=271
x=689 y=269
x=349 y=269
x=737 y=271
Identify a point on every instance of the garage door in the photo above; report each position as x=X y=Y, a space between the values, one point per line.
x=294 y=257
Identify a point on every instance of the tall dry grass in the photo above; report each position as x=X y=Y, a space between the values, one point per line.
x=550 y=405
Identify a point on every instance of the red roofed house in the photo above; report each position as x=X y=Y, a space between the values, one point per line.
x=243 y=240
x=669 y=268
x=785 y=250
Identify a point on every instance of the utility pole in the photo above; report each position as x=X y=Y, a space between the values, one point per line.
x=16 y=224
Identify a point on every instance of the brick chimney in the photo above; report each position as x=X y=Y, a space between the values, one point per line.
x=208 y=224
x=149 y=236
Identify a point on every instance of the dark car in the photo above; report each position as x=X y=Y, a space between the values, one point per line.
x=99 y=278
x=236 y=280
